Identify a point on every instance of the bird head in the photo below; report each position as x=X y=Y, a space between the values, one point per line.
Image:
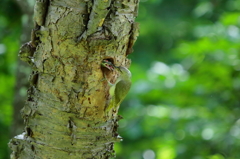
x=108 y=64
x=123 y=71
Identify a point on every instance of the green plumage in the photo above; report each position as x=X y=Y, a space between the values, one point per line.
x=120 y=88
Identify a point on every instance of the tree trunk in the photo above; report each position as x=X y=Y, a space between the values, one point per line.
x=65 y=113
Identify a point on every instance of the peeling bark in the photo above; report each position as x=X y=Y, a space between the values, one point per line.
x=65 y=113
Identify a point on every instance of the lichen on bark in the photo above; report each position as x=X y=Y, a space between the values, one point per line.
x=65 y=113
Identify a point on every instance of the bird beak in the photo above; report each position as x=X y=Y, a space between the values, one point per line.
x=118 y=68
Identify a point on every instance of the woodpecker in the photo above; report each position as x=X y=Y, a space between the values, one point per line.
x=120 y=88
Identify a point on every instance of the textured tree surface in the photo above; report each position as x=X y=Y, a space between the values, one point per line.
x=65 y=113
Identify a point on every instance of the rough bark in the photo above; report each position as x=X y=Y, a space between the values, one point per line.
x=65 y=113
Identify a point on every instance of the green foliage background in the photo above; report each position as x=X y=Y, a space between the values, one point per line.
x=10 y=29
x=184 y=102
